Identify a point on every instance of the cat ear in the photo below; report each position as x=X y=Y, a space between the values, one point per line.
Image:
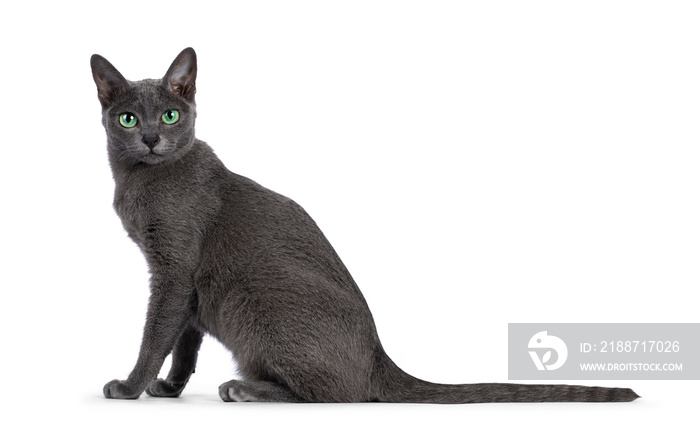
x=109 y=81
x=182 y=74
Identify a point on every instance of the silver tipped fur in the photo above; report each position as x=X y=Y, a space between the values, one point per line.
x=233 y=259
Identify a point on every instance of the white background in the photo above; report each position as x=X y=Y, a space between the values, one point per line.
x=474 y=164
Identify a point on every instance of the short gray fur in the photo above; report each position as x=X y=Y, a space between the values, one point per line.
x=249 y=266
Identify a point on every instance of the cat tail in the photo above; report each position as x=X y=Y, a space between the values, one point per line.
x=399 y=387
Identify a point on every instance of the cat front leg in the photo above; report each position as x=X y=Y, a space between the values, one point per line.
x=184 y=361
x=169 y=310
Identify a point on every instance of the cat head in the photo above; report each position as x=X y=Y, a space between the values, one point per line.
x=149 y=121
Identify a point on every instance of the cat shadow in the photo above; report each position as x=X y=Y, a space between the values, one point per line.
x=146 y=399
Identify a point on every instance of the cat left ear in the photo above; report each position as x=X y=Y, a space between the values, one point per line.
x=108 y=80
x=182 y=74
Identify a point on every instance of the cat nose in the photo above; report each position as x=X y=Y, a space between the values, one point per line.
x=150 y=140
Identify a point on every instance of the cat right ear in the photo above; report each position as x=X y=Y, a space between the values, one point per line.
x=108 y=80
x=182 y=74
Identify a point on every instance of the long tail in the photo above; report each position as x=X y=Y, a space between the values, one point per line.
x=400 y=387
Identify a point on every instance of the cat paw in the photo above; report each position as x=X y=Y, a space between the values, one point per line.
x=233 y=392
x=162 y=388
x=120 y=389
x=247 y=391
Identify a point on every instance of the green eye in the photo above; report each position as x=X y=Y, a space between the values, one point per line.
x=127 y=120
x=170 y=117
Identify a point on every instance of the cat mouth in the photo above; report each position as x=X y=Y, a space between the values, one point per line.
x=152 y=157
x=155 y=152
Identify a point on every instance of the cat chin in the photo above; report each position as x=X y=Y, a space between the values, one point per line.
x=151 y=159
x=154 y=159
x=138 y=156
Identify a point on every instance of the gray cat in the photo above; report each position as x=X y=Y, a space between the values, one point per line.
x=247 y=265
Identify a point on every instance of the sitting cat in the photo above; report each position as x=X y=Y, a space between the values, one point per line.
x=247 y=265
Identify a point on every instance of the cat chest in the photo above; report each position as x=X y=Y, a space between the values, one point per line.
x=134 y=218
x=145 y=219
